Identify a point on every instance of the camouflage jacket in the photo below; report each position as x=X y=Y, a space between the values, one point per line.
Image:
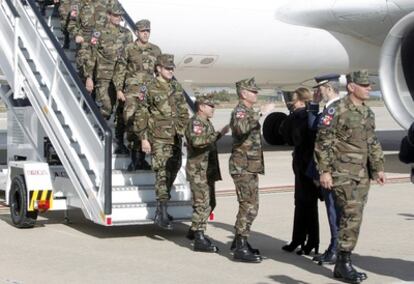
x=92 y=16
x=107 y=46
x=202 y=156
x=137 y=65
x=346 y=144
x=69 y=11
x=166 y=114
x=247 y=153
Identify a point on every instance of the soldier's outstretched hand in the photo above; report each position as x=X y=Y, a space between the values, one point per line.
x=267 y=108
x=381 y=178
x=146 y=146
x=225 y=130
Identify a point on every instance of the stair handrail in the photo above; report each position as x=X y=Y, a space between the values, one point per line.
x=106 y=131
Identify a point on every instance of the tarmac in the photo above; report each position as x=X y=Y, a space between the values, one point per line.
x=82 y=252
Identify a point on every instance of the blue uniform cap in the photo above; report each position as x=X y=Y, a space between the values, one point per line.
x=321 y=80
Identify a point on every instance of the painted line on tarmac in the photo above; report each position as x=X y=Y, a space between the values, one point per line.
x=290 y=188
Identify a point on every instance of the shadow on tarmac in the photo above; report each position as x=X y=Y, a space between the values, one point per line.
x=270 y=247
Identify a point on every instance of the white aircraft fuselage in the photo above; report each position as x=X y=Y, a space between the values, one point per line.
x=217 y=42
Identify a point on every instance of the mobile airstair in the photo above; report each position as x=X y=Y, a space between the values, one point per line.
x=59 y=148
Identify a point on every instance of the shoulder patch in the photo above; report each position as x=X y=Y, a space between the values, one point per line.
x=331 y=110
x=197 y=127
x=240 y=113
x=326 y=119
x=95 y=37
x=74 y=11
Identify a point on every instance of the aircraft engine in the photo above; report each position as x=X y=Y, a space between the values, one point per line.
x=397 y=71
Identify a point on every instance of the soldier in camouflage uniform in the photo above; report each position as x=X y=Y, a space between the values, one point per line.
x=107 y=46
x=202 y=169
x=91 y=18
x=348 y=155
x=246 y=162
x=133 y=71
x=163 y=123
x=68 y=13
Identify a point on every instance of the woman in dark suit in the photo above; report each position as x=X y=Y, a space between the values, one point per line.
x=296 y=131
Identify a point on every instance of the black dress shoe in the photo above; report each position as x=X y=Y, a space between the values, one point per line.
x=290 y=247
x=307 y=249
x=328 y=257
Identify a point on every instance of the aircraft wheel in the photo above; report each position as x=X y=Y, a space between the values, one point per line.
x=271 y=128
x=20 y=216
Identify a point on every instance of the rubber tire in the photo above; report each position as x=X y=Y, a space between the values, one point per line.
x=20 y=217
x=271 y=128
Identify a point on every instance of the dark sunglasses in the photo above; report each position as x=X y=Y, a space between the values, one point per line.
x=169 y=68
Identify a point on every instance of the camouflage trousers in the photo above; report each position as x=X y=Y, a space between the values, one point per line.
x=81 y=57
x=105 y=97
x=247 y=189
x=351 y=197
x=204 y=201
x=134 y=118
x=64 y=9
x=166 y=162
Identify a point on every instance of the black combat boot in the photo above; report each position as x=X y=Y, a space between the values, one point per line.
x=142 y=163
x=133 y=165
x=344 y=269
x=202 y=243
x=190 y=235
x=161 y=216
x=120 y=147
x=328 y=257
x=242 y=252
x=252 y=250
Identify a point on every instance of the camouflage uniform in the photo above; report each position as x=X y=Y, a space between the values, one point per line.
x=163 y=123
x=107 y=45
x=202 y=166
x=92 y=17
x=68 y=13
x=133 y=72
x=347 y=147
x=246 y=160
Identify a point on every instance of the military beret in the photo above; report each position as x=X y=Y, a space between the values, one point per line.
x=116 y=9
x=206 y=100
x=360 y=77
x=143 y=25
x=165 y=60
x=324 y=79
x=247 y=84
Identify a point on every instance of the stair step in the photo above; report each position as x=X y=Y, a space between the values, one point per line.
x=136 y=215
x=126 y=195
x=122 y=177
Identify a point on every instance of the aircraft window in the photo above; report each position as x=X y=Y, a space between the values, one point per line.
x=207 y=60
x=188 y=60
